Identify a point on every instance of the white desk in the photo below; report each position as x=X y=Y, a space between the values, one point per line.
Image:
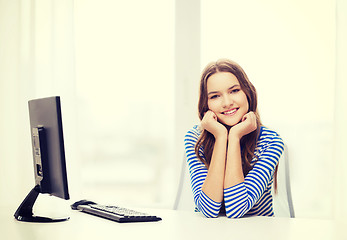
x=175 y=225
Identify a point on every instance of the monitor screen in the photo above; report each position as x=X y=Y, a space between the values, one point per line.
x=48 y=146
x=48 y=156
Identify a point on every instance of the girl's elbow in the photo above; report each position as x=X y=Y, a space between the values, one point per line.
x=236 y=214
x=237 y=211
x=233 y=216
x=209 y=215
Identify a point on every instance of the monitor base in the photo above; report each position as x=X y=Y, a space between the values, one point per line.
x=24 y=212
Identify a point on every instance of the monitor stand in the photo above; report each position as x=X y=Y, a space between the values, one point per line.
x=25 y=211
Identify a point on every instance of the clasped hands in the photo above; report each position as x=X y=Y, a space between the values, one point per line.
x=211 y=124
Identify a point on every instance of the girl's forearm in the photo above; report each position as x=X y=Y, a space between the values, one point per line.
x=213 y=186
x=233 y=169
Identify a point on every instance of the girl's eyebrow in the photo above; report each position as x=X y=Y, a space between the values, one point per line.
x=215 y=92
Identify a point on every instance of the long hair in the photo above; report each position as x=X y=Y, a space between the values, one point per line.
x=206 y=140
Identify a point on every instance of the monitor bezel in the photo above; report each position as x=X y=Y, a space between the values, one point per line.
x=45 y=115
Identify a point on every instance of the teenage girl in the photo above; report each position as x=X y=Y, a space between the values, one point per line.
x=232 y=157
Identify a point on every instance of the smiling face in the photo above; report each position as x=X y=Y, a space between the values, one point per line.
x=226 y=98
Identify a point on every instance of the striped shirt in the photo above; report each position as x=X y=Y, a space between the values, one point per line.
x=251 y=197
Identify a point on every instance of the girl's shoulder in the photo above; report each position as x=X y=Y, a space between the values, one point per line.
x=268 y=136
x=265 y=132
x=194 y=132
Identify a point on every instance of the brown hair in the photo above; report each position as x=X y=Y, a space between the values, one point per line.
x=206 y=139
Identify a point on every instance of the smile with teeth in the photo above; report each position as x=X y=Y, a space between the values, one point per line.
x=230 y=112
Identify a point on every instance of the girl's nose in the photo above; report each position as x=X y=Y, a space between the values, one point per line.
x=227 y=102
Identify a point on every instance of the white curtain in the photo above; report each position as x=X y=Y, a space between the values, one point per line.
x=36 y=60
x=113 y=66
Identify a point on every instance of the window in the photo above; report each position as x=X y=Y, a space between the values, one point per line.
x=125 y=91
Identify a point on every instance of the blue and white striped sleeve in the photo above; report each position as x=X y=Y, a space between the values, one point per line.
x=239 y=199
x=198 y=173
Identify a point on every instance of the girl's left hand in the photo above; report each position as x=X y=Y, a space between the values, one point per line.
x=247 y=125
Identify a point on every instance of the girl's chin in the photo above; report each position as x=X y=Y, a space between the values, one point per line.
x=229 y=123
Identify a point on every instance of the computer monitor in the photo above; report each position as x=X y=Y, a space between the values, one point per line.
x=48 y=157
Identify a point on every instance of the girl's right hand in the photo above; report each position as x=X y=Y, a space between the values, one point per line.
x=210 y=123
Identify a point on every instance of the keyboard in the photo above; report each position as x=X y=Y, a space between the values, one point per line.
x=115 y=213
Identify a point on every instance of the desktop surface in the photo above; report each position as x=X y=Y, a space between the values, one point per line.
x=175 y=225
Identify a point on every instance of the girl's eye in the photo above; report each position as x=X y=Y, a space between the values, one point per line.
x=235 y=91
x=214 y=96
